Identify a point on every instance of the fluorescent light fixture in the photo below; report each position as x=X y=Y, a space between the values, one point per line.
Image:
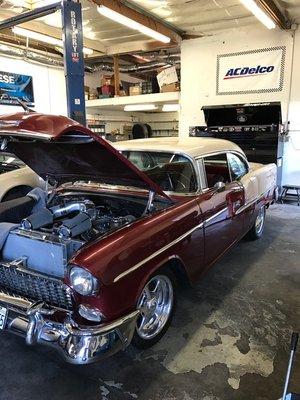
x=36 y=36
x=140 y=107
x=130 y=23
x=44 y=38
x=170 y=107
x=259 y=13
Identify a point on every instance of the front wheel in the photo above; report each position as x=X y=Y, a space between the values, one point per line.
x=156 y=305
x=257 y=229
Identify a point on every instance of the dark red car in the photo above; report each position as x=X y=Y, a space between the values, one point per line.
x=91 y=264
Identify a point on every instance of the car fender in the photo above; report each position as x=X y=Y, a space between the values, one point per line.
x=124 y=260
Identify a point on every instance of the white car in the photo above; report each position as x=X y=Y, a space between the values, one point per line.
x=16 y=179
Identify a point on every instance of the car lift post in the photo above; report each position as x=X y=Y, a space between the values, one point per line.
x=73 y=50
x=73 y=59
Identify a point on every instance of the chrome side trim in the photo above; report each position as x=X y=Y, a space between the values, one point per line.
x=250 y=203
x=158 y=252
x=215 y=216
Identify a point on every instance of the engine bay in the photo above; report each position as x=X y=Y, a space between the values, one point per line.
x=49 y=236
x=82 y=218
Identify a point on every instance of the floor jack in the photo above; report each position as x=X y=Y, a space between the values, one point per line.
x=291 y=396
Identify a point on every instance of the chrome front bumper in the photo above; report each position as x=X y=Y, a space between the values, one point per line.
x=37 y=323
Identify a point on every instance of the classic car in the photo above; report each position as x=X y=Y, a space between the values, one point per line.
x=16 y=179
x=92 y=264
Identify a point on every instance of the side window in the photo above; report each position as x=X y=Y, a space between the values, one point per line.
x=216 y=169
x=238 y=167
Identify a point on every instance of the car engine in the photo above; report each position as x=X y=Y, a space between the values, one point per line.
x=45 y=240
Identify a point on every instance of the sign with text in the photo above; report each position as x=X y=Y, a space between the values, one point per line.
x=15 y=86
x=167 y=76
x=253 y=71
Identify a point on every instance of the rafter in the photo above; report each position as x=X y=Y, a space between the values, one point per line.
x=140 y=17
x=275 y=13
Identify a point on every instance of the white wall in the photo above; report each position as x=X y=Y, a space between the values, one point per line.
x=198 y=83
x=48 y=85
x=291 y=166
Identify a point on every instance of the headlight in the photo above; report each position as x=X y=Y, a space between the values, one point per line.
x=83 y=281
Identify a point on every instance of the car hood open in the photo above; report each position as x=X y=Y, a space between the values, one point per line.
x=58 y=147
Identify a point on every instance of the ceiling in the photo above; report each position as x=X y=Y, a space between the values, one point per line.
x=207 y=17
x=191 y=17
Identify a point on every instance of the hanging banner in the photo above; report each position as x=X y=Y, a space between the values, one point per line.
x=253 y=71
x=15 y=86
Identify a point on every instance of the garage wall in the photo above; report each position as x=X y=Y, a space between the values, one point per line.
x=198 y=81
x=291 y=167
x=48 y=85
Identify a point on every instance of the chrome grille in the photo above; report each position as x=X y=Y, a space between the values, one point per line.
x=17 y=280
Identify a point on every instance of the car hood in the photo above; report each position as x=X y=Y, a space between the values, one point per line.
x=58 y=147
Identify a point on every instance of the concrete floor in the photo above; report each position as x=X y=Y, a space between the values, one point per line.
x=229 y=340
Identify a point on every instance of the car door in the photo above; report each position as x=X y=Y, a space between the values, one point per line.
x=221 y=199
x=240 y=172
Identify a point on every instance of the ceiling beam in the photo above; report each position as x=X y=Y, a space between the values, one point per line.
x=29 y=16
x=270 y=7
x=132 y=47
x=143 y=18
x=40 y=27
x=145 y=12
x=21 y=42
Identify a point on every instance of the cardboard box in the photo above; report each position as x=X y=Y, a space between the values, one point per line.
x=135 y=90
x=172 y=87
x=167 y=77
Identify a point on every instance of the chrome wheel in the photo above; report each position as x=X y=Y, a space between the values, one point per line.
x=260 y=220
x=155 y=305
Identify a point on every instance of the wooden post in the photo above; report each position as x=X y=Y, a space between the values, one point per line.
x=117 y=75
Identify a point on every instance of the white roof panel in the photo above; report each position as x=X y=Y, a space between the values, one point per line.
x=192 y=146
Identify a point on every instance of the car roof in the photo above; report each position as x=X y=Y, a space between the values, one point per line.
x=191 y=146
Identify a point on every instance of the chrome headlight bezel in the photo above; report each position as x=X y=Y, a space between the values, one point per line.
x=80 y=277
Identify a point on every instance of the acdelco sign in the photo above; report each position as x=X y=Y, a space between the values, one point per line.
x=248 y=71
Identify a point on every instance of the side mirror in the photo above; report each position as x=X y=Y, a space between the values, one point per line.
x=219 y=186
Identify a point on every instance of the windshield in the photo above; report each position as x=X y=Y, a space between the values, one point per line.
x=172 y=172
x=9 y=162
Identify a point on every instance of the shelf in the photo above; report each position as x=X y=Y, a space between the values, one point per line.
x=114 y=102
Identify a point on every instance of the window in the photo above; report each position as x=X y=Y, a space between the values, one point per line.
x=172 y=172
x=9 y=163
x=7 y=159
x=238 y=167
x=216 y=169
